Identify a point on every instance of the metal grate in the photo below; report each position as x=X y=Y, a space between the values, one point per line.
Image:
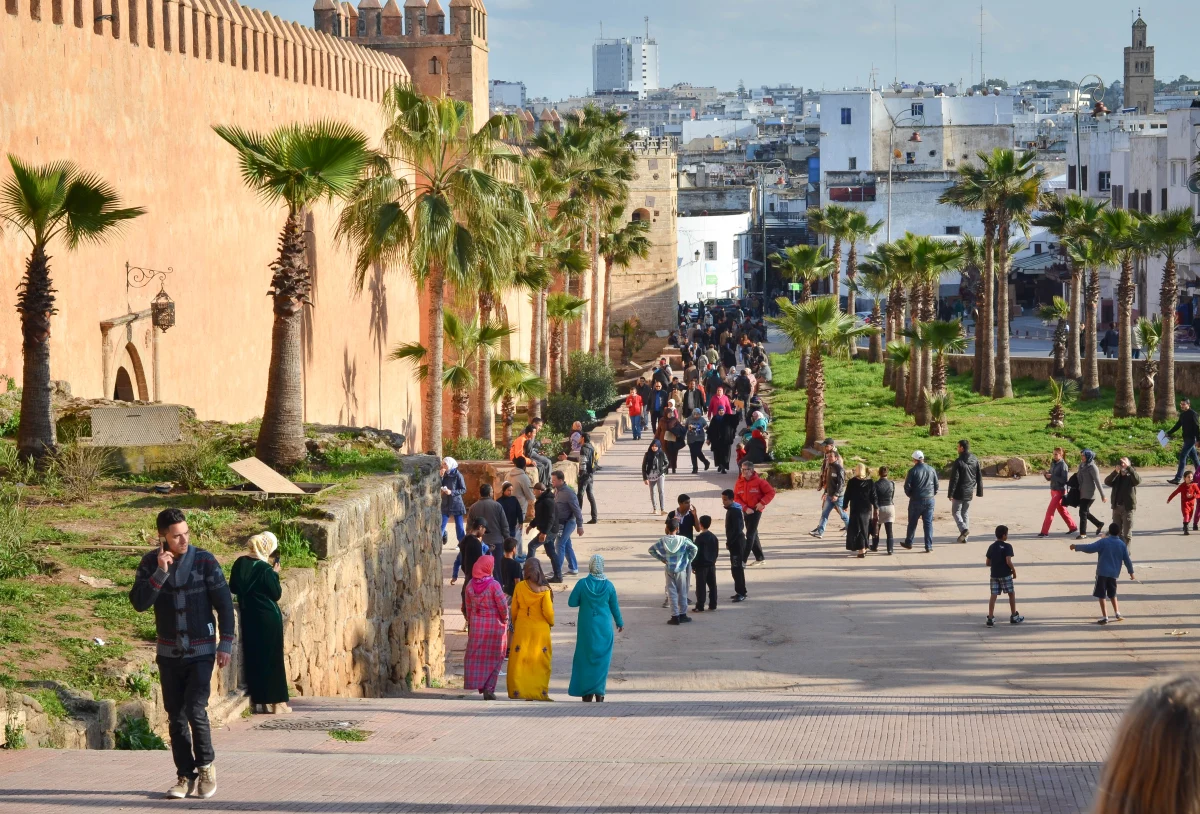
x=308 y=724
x=136 y=426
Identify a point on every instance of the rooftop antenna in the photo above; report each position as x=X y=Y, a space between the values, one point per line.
x=601 y=29
x=895 y=45
x=982 y=74
x=647 y=19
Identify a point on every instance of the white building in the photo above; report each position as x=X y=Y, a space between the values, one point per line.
x=727 y=129
x=710 y=254
x=625 y=65
x=506 y=94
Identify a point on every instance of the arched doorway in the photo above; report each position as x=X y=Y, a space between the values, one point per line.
x=123 y=391
x=641 y=215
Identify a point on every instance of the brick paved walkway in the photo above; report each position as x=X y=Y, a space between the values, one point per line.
x=695 y=753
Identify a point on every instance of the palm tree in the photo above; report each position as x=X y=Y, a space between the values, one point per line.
x=1169 y=234
x=1013 y=185
x=857 y=228
x=941 y=337
x=833 y=222
x=1061 y=390
x=821 y=329
x=1067 y=218
x=454 y=210
x=1058 y=311
x=468 y=341
x=898 y=354
x=1091 y=254
x=43 y=203
x=969 y=193
x=561 y=310
x=296 y=165
x=1150 y=331
x=620 y=247
x=1122 y=232
x=804 y=265
x=875 y=279
x=513 y=382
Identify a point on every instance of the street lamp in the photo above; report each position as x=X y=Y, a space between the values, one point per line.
x=1098 y=110
x=916 y=120
x=162 y=307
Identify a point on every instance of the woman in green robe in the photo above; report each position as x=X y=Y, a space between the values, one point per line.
x=255 y=581
x=596 y=599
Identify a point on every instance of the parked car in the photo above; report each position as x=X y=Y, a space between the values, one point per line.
x=865 y=316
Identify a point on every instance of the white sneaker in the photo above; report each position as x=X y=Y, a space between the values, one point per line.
x=1103 y=620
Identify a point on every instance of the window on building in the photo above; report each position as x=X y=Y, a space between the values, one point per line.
x=918 y=108
x=1118 y=196
x=771 y=207
x=845 y=115
x=435 y=67
x=1148 y=202
x=1133 y=201
x=1037 y=248
x=1083 y=176
x=1071 y=179
x=853 y=163
x=1174 y=166
x=1162 y=207
x=710 y=250
x=910 y=158
x=954 y=230
x=1103 y=181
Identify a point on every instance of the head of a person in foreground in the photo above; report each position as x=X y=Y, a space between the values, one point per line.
x=1154 y=765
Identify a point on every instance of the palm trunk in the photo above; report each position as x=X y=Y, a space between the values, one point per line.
x=851 y=268
x=875 y=352
x=921 y=415
x=597 y=301
x=281 y=436
x=508 y=409
x=606 y=322
x=556 y=332
x=487 y=415
x=914 y=362
x=544 y=345
x=1074 y=368
x=36 y=434
x=1164 y=409
x=801 y=371
x=1124 y=405
x=535 y=345
x=816 y=400
x=437 y=347
x=462 y=408
x=1002 y=388
x=1061 y=348
x=835 y=287
x=1091 y=364
x=985 y=326
x=1146 y=405
x=895 y=301
x=941 y=426
x=900 y=377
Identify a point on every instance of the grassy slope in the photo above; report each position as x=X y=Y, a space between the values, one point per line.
x=859 y=412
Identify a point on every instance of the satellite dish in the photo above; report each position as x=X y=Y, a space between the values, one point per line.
x=1194 y=186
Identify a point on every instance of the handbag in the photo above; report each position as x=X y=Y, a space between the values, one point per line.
x=670 y=437
x=1071 y=498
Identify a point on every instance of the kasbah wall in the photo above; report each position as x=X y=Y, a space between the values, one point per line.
x=133 y=99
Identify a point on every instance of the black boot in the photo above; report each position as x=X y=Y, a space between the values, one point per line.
x=588 y=697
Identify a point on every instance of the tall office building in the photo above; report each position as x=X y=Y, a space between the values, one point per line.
x=625 y=65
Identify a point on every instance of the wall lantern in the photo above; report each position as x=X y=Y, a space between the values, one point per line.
x=162 y=307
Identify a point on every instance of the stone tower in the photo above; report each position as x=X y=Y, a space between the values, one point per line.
x=1139 y=70
x=446 y=54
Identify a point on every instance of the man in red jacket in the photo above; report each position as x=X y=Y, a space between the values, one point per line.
x=753 y=493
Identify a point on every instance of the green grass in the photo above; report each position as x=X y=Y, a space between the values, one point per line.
x=859 y=411
x=52 y=705
x=118 y=616
x=349 y=735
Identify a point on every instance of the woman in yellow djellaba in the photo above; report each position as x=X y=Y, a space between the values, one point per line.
x=530 y=653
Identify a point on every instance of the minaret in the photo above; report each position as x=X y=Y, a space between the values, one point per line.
x=1139 y=70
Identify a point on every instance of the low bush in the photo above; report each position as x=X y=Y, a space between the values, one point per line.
x=471 y=449
x=294 y=550
x=81 y=468
x=591 y=380
x=135 y=734
x=17 y=552
x=562 y=411
x=13 y=469
x=203 y=466
x=52 y=705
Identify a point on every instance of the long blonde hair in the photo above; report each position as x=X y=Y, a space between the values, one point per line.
x=1154 y=766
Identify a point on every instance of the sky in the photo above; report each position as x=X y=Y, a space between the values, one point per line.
x=826 y=43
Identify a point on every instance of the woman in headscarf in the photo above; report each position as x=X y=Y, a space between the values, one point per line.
x=1090 y=485
x=596 y=599
x=721 y=431
x=654 y=474
x=671 y=432
x=255 y=581
x=486 y=609
x=696 y=427
x=453 y=488
x=860 y=506
x=530 y=654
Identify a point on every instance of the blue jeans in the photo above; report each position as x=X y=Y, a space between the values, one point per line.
x=1189 y=448
x=827 y=506
x=562 y=548
x=459 y=529
x=636 y=421
x=920 y=509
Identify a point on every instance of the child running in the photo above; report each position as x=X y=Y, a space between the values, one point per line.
x=1111 y=552
x=999 y=559
x=1188 y=491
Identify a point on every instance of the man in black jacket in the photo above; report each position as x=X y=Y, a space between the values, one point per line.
x=735 y=542
x=966 y=482
x=1191 y=432
x=185 y=585
x=705 y=565
x=587 y=474
x=544 y=519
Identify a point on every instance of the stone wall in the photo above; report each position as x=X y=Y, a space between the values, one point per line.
x=1187 y=374
x=368 y=620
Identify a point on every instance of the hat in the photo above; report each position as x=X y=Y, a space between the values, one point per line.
x=828 y=442
x=918 y=455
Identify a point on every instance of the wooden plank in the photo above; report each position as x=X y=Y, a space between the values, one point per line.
x=264 y=477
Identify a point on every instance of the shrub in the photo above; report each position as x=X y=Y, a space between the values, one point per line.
x=136 y=734
x=294 y=550
x=14 y=736
x=80 y=468
x=203 y=466
x=9 y=426
x=471 y=449
x=562 y=411
x=52 y=705
x=591 y=380
x=140 y=685
x=17 y=554
x=13 y=469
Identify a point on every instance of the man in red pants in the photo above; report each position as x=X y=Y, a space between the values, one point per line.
x=1057 y=476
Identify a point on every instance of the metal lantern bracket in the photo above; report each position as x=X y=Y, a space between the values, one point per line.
x=162 y=307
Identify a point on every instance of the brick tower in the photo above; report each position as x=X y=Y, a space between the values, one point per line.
x=447 y=55
x=1139 y=70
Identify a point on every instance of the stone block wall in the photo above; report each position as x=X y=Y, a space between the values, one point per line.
x=1187 y=374
x=368 y=620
